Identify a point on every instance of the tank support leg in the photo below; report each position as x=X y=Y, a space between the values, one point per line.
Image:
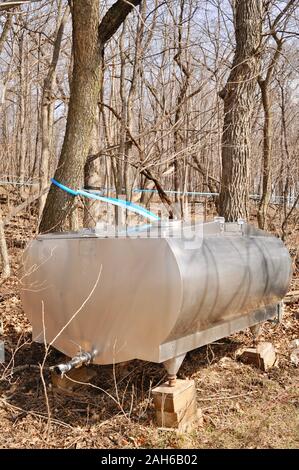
x=280 y=312
x=256 y=331
x=172 y=366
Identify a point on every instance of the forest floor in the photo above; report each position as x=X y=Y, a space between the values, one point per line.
x=242 y=406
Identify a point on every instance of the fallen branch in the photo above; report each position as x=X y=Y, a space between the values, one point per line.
x=231 y=397
x=17 y=369
x=8 y=405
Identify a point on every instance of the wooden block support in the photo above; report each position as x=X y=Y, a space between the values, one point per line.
x=176 y=406
x=263 y=356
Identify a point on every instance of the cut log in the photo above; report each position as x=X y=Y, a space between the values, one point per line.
x=176 y=406
x=291 y=297
x=263 y=356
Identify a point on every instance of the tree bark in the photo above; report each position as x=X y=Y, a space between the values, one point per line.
x=238 y=96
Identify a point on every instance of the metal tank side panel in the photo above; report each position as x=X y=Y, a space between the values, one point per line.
x=227 y=277
x=134 y=305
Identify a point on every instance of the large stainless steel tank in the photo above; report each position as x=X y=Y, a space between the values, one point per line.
x=152 y=295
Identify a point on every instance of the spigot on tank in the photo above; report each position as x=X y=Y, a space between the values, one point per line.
x=221 y=221
x=75 y=362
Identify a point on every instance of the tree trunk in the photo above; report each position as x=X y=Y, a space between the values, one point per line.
x=92 y=179
x=267 y=135
x=22 y=110
x=89 y=39
x=82 y=113
x=238 y=96
x=183 y=88
x=47 y=112
x=5 y=270
x=267 y=156
x=3 y=246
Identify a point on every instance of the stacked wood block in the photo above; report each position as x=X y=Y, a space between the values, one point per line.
x=176 y=406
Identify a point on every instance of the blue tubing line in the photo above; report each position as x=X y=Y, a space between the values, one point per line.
x=64 y=188
x=117 y=202
x=121 y=203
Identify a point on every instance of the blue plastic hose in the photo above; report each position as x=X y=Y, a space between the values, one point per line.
x=110 y=200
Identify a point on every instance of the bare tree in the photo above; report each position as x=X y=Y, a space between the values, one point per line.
x=3 y=246
x=267 y=101
x=47 y=108
x=238 y=96
x=89 y=39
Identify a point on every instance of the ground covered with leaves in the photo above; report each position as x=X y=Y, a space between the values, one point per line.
x=242 y=406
